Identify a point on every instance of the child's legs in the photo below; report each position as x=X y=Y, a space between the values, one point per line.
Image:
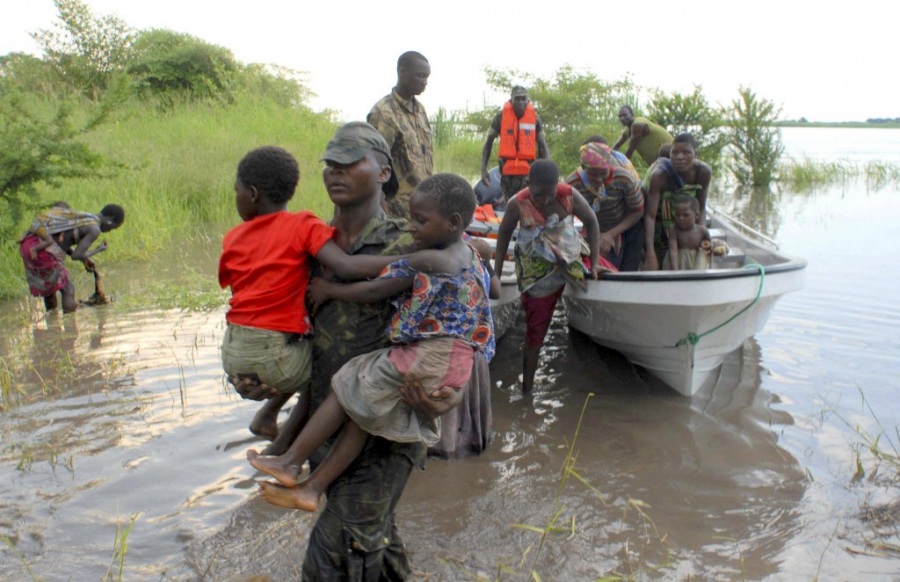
x=326 y=421
x=68 y=297
x=51 y=302
x=344 y=450
x=538 y=315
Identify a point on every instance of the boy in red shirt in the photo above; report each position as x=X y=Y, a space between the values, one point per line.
x=266 y=261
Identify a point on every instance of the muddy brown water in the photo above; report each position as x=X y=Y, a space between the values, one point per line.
x=125 y=413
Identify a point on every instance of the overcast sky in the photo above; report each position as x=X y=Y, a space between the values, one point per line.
x=826 y=61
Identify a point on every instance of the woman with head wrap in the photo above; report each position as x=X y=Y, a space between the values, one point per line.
x=613 y=189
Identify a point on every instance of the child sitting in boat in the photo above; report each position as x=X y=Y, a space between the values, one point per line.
x=689 y=243
x=266 y=261
x=548 y=251
x=442 y=317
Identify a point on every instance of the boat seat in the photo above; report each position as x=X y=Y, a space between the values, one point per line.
x=733 y=259
x=718 y=233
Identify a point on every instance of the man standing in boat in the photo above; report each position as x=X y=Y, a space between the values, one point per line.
x=681 y=175
x=521 y=142
x=402 y=120
x=643 y=136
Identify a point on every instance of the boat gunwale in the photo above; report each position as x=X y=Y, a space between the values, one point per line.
x=709 y=274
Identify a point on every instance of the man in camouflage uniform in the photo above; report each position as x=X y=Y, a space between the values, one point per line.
x=355 y=538
x=402 y=121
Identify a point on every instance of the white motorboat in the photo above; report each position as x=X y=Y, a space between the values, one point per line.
x=505 y=310
x=680 y=325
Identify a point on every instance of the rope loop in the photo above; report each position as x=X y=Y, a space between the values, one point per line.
x=692 y=338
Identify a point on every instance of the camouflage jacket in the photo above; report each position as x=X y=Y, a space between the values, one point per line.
x=404 y=125
x=346 y=330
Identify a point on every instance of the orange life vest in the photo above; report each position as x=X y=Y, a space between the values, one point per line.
x=518 y=140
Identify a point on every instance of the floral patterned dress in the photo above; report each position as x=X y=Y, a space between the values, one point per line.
x=439 y=325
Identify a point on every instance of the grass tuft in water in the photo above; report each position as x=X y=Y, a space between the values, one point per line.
x=805 y=173
x=15 y=550
x=876 y=461
x=120 y=548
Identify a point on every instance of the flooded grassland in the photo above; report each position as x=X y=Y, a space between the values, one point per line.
x=118 y=417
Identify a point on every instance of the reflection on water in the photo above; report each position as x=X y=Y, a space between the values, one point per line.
x=123 y=412
x=756 y=207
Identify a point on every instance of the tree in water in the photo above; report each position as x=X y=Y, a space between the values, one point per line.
x=755 y=141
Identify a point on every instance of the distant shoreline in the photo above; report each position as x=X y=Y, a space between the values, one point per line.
x=840 y=124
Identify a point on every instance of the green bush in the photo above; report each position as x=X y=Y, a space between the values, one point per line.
x=280 y=85
x=691 y=113
x=754 y=139
x=168 y=64
x=39 y=148
x=572 y=105
x=23 y=72
x=87 y=51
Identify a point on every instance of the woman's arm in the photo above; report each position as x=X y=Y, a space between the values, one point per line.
x=704 y=175
x=673 y=248
x=591 y=226
x=658 y=181
x=505 y=232
x=88 y=235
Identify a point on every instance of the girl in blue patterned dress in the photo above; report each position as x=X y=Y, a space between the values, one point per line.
x=443 y=316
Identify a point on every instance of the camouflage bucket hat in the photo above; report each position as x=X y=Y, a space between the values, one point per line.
x=352 y=142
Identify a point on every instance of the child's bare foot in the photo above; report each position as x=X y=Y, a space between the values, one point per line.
x=265 y=422
x=264 y=425
x=274 y=448
x=298 y=497
x=274 y=467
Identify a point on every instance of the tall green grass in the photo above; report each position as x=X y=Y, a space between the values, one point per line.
x=173 y=172
x=172 y=169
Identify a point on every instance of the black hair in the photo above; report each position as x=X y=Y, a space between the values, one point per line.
x=61 y=204
x=408 y=58
x=596 y=138
x=543 y=172
x=115 y=213
x=628 y=108
x=685 y=138
x=689 y=200
x=665 y=151
x=272 y=170
x=453 y=194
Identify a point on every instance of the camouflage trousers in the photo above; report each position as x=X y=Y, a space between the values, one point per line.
x=355 y=538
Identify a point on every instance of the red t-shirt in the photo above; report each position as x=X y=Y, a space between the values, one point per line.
x=266 y=263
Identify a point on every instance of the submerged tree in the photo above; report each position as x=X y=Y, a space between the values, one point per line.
x=754 y=139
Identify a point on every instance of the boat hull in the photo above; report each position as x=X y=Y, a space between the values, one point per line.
x=505 y=310
x=649 y=321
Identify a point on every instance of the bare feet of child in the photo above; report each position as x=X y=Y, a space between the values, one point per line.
x=298 y=497
x=265 y=424
x=274 y=467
